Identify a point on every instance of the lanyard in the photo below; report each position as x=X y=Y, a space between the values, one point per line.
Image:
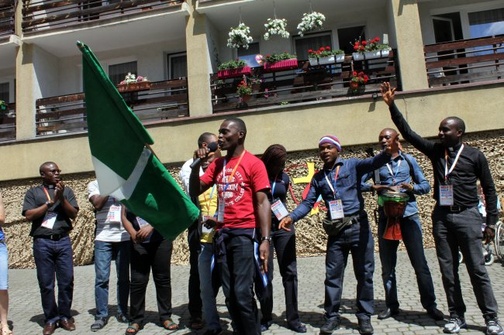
x=226 y=180
x=47 y=194
x=447 y=172
x=394 y=175
x=273 y=187
x=335 y=180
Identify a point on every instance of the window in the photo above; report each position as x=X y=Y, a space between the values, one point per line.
x=486 y=23
x=117 y=72
x=348 y=36
x=303 y=44
x=177 y=66
x=249 y=55
x=4 y=92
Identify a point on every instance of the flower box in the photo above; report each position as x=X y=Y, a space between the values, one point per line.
x=313 y=61
x=326 y=60
x=358 y=56
x=287 y=64
x=232 y=73
x=131 y=87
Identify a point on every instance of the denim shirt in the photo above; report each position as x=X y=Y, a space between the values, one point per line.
x=401 y=171
x=347 y=186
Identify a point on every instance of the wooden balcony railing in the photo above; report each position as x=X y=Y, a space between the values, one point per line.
x=306 y=83
x=67 y=113
x=7 y=11
x=8 y=123
x=39 y=14
x=465 y=61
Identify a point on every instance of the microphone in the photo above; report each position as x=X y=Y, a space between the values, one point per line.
x=212 y=147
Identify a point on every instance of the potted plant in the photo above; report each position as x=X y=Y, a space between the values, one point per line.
x=276 y=27
x=255 y=83
x=239 y=37
x=325 y=55
x=244 y=91
x=279 y=61
x=357 y=82
x=370 y=49
x=133 y=82
x=310 y=22
x=233 y=68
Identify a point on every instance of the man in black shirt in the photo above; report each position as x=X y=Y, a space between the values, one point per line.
x=456 y=220
x=51 y=208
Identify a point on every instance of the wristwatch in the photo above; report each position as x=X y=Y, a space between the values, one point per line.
x=48 y=204
x=266 y=238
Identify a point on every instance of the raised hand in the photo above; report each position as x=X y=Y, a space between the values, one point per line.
x=388 y=93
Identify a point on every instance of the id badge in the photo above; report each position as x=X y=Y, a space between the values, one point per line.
x=278 y=208
x=114 y=214
x=49 y=220
x=336 y=209
x=220 y=211
x=446 y=195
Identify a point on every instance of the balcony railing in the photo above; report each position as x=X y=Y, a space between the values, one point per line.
x=305 y=83
x=465 y=61
x=7 y=11
x=38 y=15
x=8 y=123
x=67 y=113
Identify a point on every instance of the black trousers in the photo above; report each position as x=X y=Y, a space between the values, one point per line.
x=144 y=257
x=195 y=305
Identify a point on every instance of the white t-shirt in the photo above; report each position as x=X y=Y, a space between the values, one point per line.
x=185 y=173
x=109 y=227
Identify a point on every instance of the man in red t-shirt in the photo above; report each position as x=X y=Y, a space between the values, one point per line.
x=242 y=189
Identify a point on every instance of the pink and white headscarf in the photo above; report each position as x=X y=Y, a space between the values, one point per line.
x=330 y=139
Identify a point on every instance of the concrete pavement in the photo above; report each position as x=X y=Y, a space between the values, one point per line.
x=27 y=318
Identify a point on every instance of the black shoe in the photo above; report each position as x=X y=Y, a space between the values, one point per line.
x=365 y=327
x=389 y=312
x=436 y=314
x=265 y=326
x=121 y=318
x=298 y=327
x=330 y=325
x=213 y=332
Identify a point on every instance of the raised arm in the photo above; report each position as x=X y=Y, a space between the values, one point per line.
x=388 y=94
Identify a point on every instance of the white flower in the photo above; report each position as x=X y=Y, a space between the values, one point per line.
x=276 y=27
x=239 y=37
x=310 y=21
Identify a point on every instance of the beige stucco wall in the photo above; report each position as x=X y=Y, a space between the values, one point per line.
x=355 y=121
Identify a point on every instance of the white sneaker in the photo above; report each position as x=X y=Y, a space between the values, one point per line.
x=494 y=328
x=454 y=325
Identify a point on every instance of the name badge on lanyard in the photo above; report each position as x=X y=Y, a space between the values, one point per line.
x=335 y=206
x=336 y=209
x=278 y=208
x=446 y=191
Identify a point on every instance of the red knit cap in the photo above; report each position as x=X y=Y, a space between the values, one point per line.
x=330 y=139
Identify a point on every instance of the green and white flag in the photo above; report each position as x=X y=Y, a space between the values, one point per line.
x=125 y=166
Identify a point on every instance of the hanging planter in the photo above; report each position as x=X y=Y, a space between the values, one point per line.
x=310 y=22
x=276 y=27
x=239 y=37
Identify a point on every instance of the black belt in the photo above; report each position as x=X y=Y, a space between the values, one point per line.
x=54 y=237
x=454 y=208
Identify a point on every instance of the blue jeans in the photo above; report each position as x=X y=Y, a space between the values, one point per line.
x=358 y=240
x=411 y=231
x=104 y=253
x=462 y=230
x=209 y=285
x=238 y=272
x=4 y=266
x=54 y=258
